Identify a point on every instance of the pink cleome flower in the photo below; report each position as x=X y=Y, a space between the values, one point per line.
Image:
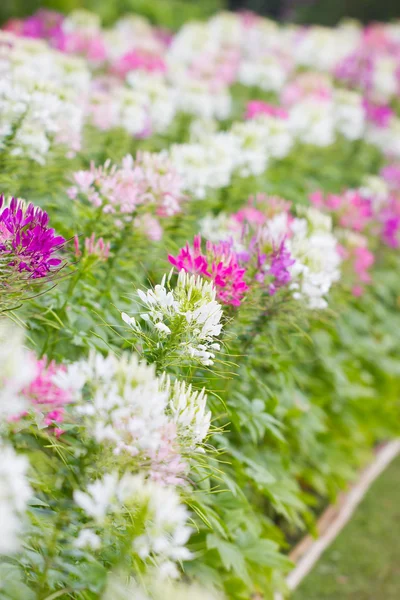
x=353 y=210
x=220 y=264
x=46 y=396
x=139 y=60
x=27 y=239
x=255 y=108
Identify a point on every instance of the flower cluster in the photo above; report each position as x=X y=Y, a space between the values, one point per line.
x=148 y=183
x=78 y=33
x=28 y=249
x=149 y=76
x=278 y=250
x=372 y=209
x=111 y=448
x=136 y=413
x=187 y=317
x=220 y=263
x=164 y=530
x=45 y=397
x=150 y=426
x=42 y=97
x=26 y=238
x=188 y=410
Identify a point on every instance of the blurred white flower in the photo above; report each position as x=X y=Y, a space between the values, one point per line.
x=14 y=495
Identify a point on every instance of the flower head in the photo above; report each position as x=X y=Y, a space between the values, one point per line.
x=258 y=107
x=26 y=238
x=276 y=265
x=187 y=315
x=219 y=263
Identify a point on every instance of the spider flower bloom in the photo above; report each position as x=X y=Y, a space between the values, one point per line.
x=279 y=263
x=378 y=114
x=255 y=108
x=93 y=247
x=26 y=239
x=46 y=395
x=390 y=219
x=220 y=264
x=352 y=209
x=136 y=59
x=150 y=181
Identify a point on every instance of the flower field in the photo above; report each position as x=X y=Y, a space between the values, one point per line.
x=199 y=296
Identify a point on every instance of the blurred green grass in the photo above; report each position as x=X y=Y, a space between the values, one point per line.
x=364 y=561
x=168 y=13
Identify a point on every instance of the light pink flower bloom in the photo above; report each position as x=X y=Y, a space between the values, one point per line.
x=255 y=108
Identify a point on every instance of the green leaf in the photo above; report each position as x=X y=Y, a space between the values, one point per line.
x=231 y=557
x=266 y=554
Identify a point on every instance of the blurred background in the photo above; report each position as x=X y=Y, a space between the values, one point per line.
x=172 y=13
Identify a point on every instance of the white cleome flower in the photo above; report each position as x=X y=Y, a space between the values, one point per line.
x=312 y=121
x=165 y=530
x=17 y=370
x=42 y=98
x=14 y=495
x=317 y=265
x=206 y=164
x=349 y=114
x=162 y=529
x=99 y=498
x=87 y=538
x=125 y=406
x=188 y=409
x=189 y=312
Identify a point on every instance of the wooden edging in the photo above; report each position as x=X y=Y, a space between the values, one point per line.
x=335 y=517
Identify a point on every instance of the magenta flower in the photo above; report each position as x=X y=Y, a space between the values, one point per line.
x=360 y=259
x=49 y=25
x=45 y=24
x=43 y=390
x=357 y=69
x=281 y=260
x=220 y=264
x=191 y=259
x=26 y=238
x=391 y=229
x=139 y=60
x=352 y=210
x=45 y=395
x=276 y=265
x=363 y=260
x=390 y=219
x=378 y=114
x=255 y=108
x=391 y=174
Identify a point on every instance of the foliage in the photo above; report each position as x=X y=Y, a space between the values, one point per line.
x=171 y=424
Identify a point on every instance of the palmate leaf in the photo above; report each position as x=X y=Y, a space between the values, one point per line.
x=231 y=556
x=266 y=554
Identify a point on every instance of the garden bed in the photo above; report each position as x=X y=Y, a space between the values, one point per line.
x=199 y=297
